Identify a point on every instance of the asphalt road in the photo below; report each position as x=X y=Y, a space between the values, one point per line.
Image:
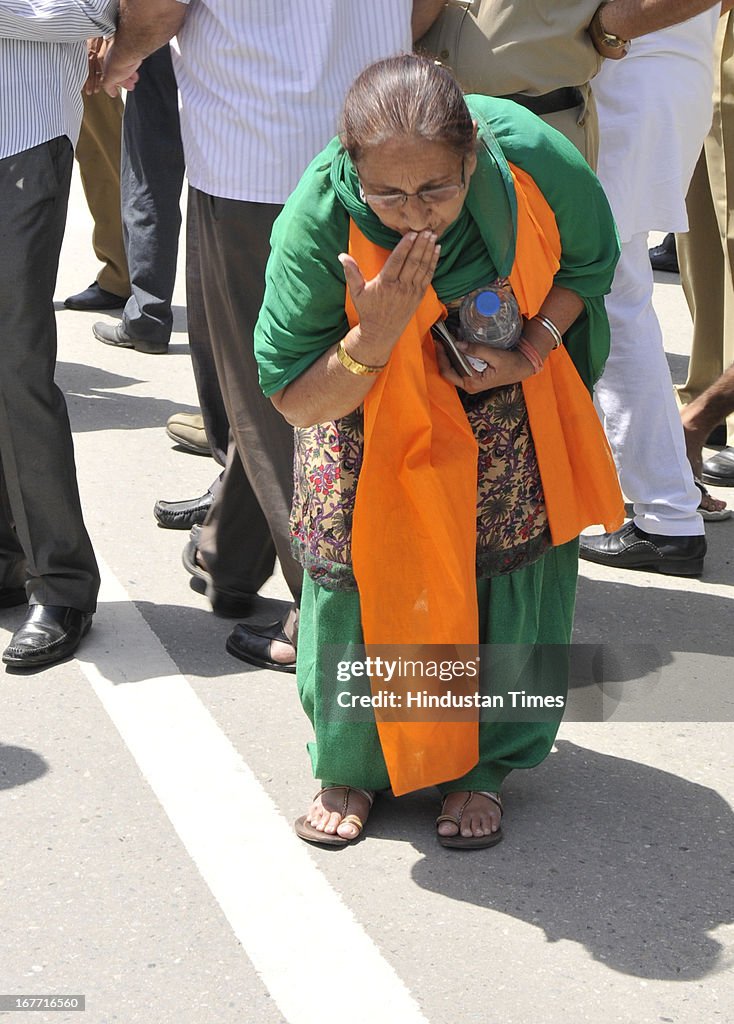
x=147 y=789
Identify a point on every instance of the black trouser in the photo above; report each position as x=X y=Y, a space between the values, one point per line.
x=151 y=178
x=248 y=523
x=41 y=521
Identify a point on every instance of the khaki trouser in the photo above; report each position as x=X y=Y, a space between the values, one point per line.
x=706 y=252
x=98 y=153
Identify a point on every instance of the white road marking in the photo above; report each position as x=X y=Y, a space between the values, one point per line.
x=296 y=930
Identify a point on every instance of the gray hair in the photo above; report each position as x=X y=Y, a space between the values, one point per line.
x=409 y=96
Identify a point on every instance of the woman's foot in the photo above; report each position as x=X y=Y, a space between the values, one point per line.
x=470 y=819
x=336 y=816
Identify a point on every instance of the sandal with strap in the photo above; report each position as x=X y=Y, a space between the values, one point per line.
x=314 y=835
x=710 y=515
x=459 y=842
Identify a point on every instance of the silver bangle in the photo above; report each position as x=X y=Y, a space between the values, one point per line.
x=551 y=328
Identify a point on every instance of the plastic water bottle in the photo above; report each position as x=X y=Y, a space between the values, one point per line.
x=491 y=316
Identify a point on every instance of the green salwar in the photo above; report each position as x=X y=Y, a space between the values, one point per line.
x=533 y=606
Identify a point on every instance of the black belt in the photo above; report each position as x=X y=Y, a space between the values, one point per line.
x=550 y=102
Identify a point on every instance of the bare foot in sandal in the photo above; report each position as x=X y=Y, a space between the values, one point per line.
x=470 y=819
x=336 y=815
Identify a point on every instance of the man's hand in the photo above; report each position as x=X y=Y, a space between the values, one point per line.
x=118 y=72
x=95 y=54
x=143 y=27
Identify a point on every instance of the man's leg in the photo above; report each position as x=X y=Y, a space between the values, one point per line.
x=236 y=567
x=98 y=155
x=641 y=418
x=701 y=261
x=151 y=182
x=235 y=244
x=211 y=402
x=36 y=449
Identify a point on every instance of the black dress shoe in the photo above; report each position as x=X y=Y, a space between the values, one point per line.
x=182 y=515
x=719 y=469
x=665 y=255
x=252 y=644
x=227 y=606
x=632 y=548
x=49 y=633
x=115 y=334
x=95 y=298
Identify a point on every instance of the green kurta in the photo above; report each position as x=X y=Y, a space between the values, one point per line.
x=303 y=315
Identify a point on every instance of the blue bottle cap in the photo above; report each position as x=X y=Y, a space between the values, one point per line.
x=488 y=303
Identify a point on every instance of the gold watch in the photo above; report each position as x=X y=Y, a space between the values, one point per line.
x=608 y=45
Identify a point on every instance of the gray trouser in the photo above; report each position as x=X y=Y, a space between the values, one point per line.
x=41 y=525
x=151 y=179
x=248 y=523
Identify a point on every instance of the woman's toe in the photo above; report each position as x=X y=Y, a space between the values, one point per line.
x=332 y=822
x=347 y=830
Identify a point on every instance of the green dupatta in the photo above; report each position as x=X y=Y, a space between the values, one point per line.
x=303 y=311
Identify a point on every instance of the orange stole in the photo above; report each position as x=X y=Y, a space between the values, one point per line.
x=577 y=470
x=414 y=530
x=414 y=535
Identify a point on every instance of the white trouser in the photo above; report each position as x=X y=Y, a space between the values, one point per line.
x=639 y=411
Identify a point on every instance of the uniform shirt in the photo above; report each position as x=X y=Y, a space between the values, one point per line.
x=262 y=85
x=43 y=65
x=498 y=47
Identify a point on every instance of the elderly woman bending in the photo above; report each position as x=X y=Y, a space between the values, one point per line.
x=436 y=507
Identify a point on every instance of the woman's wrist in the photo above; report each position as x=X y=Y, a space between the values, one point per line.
x=355 y=366
x=529 y=354
x=539 y=337
x=366 y=347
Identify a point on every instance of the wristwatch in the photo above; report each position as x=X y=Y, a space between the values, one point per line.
x=608 y=45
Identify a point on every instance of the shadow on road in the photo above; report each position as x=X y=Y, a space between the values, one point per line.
x=19 y=765
x=631 y=862
x=97 y=401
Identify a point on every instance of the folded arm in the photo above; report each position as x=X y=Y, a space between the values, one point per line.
x=144 y=26
x=562 y=307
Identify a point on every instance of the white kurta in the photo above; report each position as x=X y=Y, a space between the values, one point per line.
x=654 y=113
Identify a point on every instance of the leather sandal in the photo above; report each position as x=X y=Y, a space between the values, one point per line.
x=459 y=842
x=251 y=643
x=313 y=835
x=710 y=515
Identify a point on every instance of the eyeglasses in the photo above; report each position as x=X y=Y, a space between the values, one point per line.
x=394 y=200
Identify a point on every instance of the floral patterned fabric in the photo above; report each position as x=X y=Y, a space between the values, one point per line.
x=512 y=528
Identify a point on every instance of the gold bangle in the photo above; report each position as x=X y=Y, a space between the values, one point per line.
x=606 y=43
x=353 y=365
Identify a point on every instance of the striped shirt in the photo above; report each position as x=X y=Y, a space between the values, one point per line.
x=43 y=65
x=262 y=85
